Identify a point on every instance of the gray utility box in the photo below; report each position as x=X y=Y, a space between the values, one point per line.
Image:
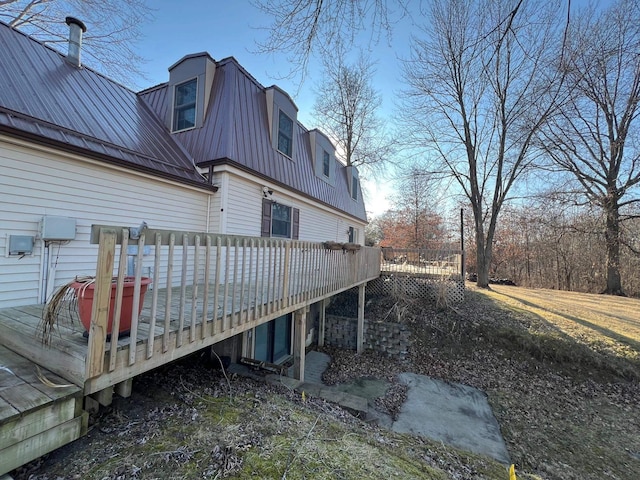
x=20 y=245
x=57 y=228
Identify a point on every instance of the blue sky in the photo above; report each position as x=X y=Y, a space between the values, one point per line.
x=232 y=29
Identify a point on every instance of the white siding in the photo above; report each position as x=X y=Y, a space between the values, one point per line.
x=317 y=224
x=214 y=208
x=34 y=183
x=244 y=206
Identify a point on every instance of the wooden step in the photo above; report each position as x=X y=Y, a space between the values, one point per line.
x=35 y=418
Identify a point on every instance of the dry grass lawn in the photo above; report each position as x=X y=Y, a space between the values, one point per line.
x=586 y=316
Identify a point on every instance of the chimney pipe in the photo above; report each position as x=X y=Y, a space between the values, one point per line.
x=76 y=29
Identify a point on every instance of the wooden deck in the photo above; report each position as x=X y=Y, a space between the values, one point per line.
x=206 y=289
x=35 y=418
x=415 y=262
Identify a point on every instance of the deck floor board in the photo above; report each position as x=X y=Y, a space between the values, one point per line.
x=21 y=390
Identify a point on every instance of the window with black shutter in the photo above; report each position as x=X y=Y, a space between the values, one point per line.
x=280 y=220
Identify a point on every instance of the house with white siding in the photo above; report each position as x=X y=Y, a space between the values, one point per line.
x=211 y=151
x=207 y=184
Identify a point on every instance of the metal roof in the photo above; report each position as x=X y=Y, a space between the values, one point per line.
x=236 y=131
x=45 y=98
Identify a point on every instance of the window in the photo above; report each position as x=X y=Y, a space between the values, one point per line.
x=354 y=188
x=326 y=163
x=352 y=235
x=273 y=340
x=285 y=134
x=280 y=220
x=184 y=105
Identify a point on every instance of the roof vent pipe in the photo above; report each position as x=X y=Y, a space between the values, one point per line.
x=76 y=29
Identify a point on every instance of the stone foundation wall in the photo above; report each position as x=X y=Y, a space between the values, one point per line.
x=391 y=339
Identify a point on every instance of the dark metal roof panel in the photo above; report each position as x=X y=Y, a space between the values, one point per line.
x=42 y=95
x=236 y=129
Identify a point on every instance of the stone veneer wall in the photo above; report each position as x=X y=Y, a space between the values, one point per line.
x=388 y=338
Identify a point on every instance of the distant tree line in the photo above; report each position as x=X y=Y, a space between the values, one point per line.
x=549 y=245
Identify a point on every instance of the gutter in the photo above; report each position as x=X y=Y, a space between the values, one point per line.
x=233 y=163
x=105 y=159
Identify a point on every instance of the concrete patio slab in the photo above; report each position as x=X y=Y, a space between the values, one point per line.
x=455 y=414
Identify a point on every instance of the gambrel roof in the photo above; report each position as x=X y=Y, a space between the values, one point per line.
x=236 y=132
x=46 y=99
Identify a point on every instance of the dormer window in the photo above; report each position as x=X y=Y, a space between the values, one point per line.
x=184 y=108
x=285 y=134
x=354 y=188
x=326 y=163
x=190 y=86
x=282 y=115
x=323 y=156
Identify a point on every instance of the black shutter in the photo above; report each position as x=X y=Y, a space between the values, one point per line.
x=295 y=225
x=266 y=218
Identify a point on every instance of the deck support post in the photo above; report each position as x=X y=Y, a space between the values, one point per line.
x=360 y=335
x=124 y=388
x=91 y=405
x=299 y=342
x=104 y=396
x=322 y=321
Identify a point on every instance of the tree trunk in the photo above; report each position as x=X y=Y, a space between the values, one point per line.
x=612 y=237
x=483 y=259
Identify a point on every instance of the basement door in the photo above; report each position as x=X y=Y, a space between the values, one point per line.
x=273 y=340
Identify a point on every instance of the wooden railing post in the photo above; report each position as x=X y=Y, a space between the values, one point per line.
x=285 y=280
x=133 y=334
x=169 y=289
x=101 y=300
x=154 y=302
x=205 y=299
x=115 y=327
x=194 y=290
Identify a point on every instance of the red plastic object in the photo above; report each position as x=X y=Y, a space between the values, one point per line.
x=85 y=292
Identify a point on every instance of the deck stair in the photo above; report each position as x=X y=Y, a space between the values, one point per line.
x=35 y=416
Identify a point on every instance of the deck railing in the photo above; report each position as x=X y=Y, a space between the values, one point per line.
x=207 y=287
x=422 y=262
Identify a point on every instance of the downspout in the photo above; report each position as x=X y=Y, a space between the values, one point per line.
x=224 y=181
x=209 y=195
x=44 y=271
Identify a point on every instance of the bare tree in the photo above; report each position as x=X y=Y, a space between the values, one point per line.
x=112 y=28
x=345 y=109
x=595 y=135
x=416 y=202
x=302 y=27
x=480 y=87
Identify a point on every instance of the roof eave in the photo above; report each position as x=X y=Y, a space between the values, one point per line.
x=103 y=158
x=239 y=166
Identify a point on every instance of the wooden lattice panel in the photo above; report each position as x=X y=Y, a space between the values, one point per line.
x=436 y=289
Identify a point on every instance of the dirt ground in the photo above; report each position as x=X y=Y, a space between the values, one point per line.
x=561 y=370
